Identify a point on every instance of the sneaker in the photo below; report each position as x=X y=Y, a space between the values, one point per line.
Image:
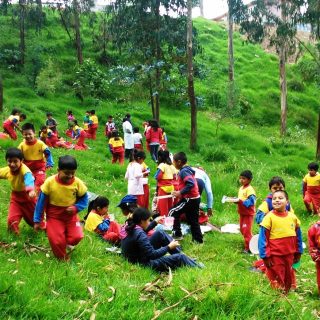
x=200 y=265
x=177 y=236
x=113 y=249
x=70 y=248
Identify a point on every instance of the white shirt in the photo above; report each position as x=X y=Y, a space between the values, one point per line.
x=135 y=178
x=128 y=135
x=137 y=137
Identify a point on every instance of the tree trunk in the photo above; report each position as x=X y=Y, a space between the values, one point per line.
x=230 y=45
x=151 y=97
x=158 y=58
x=76 y=13
x=318 y=140
x=39 y=15
x=201 y=8
x=1 y=94
x=22 y=16
x=191 y=94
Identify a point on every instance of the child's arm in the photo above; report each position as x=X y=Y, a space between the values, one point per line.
x=299 y=252
x=250 y=201
x=304 y=188
x=28 y=180
x=49 y=158
x=159 y=174
x=81 y=204
x=104 y=225
x=38 y=211
x=313 y=246
x=264 y=251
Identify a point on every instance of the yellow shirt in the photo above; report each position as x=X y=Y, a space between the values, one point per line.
x=45 y=135
x=93 y=221
x=34 y=151
x=94 y=119
x=246 y=192
x=281 y=227
x=116 y=143
x=265 y=208
x=312 y=181
x=16 y=181
x=168 y=171
x=63 y=195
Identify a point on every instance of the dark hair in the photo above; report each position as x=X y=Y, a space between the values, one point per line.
x=67 y=163
x=180 y=156
x=100 y=202
x=154 y=125
x=164 y=157
x=137 y=154
x=69 y=112
x=75 y=122
x=247 y=174
x=140 y=214
x=128 y=115
x=15 y=111
x=14 y=153
x=136 y=129
x=92 y=111
x=23 y=116
x=115 y=135
x=28 y=126
x=313 y=166
x=282 y=191
x=43 y=127
x=276 y=180
x=128 y=206
x=110 y=117
x=49 y=114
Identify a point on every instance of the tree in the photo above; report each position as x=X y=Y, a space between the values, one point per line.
x=201 y=8
x=22 y=19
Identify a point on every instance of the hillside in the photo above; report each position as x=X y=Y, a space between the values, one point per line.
x=34 y=286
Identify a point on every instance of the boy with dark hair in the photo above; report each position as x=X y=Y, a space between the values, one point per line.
x=311 y=188
x=93 y=125
x=12 y=123
x=51 y=123
x=189 y=199
x=246 y=207
x=110 y=127
x=35 y=152
x=23 y=196
x=62 y=196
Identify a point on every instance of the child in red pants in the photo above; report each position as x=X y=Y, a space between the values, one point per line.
x=80 y=136
x=314 y=248
x=62 y=196
x=246 y=207
x=12 y=123
x=23 y=196
x=280 y=242
x=311 y=189
x=116 y=146
x=37 y=156
x=98 y=221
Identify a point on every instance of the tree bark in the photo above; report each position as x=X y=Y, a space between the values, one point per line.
x=1 y=94
x=151 y=97
x=191 y=94
x=201 y=8
x=22 y=17
x=76 y=13
x=230 y=44
x=158 y=58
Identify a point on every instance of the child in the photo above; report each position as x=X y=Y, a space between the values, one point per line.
x=51 y=140
x=51 y=123
x=314 y=248
x=153 y=137
x=23 y=196
x=80 y=135
x=116 y=146
x=93 y=125
x=137 y=247
x=311 y=188
x=280 y=242
x=128 y=204
x=12 y=123
x=98 y=221
x=70 y=116
x=246 y=207
x=86 y=121
x=137 y=137
x=134 y=176
x=145 y=182
x=35 y=152
x=62 y=196
x=164 y=140
x=275 y=184
x=110 y=127
x=189 y=199
x=165 y=174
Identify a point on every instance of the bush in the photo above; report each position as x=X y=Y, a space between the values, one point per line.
x=10 y=57
x=296 y=85
x=216 y=155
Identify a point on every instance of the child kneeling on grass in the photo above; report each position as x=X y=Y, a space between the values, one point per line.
x=137 y=247
x=280 y=242
x=98 y=221
x=62 y=196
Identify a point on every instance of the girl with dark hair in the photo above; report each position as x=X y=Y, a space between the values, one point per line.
x=153 y=137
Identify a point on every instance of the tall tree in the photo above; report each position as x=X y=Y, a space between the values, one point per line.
x=201 y=8
x=22 y=25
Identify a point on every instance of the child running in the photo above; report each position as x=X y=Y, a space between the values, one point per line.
x=189 y=199
x=116 y=146
x=314 y=248
x=280 y=242
x=37 y=156
x=62 y=196
x=12 y=123
x=311 y=189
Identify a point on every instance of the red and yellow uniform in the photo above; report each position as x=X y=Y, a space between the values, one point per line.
x=49 y=138
x=9 y=126
x=145 y=182
x=314 y=248
x=21 y=205
x=93 y=126
x=311 y=192
x=246 y=210
x=116 y=146
x=62 y=228
x=80 y=135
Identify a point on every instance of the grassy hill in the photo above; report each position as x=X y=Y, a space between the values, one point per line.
x=35 y=286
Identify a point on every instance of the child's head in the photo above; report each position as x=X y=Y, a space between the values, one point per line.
x=128 y=204
x=49 y=115
x=69 y=112
x=138 y=156
x=114 y=134
x=276 y=183
x=245 y=177
x=22 y=117
x=67 y=166
x=28 y=132
x=110 y=118
x=15 y=112
x=14 y=157
x=75 y=123
x=164 y=157
x=313 y=168
x=136 y=129
x=92 y=112
x=179 y=160
x=279 y=200
x=140 y=217
x=100 y=205
x=87 y=112
x=44 y=129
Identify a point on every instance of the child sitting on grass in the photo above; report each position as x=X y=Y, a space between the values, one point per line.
x=79 y=135
x=99 y=222
x=280 y=242
x=62 y=196
x=311 y=189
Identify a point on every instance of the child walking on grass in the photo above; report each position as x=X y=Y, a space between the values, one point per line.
x=62 y=196
x=116 y=146
x=12 y=123
x=311 y=189
x=280 y=242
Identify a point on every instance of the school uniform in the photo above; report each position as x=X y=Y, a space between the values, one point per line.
x=9 y=126
x=137 y=138
x=21 y=205
x=93 y=126
x=280 y=239
x=314 y=248
x=311 y=192
x=62 y=228
x=145 y=183
x=110 y=126
x=117 y=149
x=37 y=157
x=80 y=135
x=134 y=176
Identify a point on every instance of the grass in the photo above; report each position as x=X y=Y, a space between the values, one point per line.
x=35 y=286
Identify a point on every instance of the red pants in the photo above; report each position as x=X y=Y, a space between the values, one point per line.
x=21 y=206
x=318 y=275
x=140 y=200
x=146 y=196
x=138 y=146
x=164 y=205
x=39 y=178
x=10 y=131
x=118 y=156
x=80 y=145
x=280 y=274
x=63 y=231
x=93 y=131
x=113 y=233
x=312 y=201
x=246 y=222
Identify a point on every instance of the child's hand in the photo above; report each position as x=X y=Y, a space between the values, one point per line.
x=209 y=212
x=36 y=226
x=159 y=219
x=70 y=210
x=176 y=194
x=32 y=194
x=173 y=244
x=267 y=262
x=297 y=257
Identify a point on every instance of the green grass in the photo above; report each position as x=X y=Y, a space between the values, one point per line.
x=34 y=286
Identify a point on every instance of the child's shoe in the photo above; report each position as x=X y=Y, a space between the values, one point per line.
x=177 y=235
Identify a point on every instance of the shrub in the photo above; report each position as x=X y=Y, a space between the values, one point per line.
x=216 y=154
x=296 y=85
